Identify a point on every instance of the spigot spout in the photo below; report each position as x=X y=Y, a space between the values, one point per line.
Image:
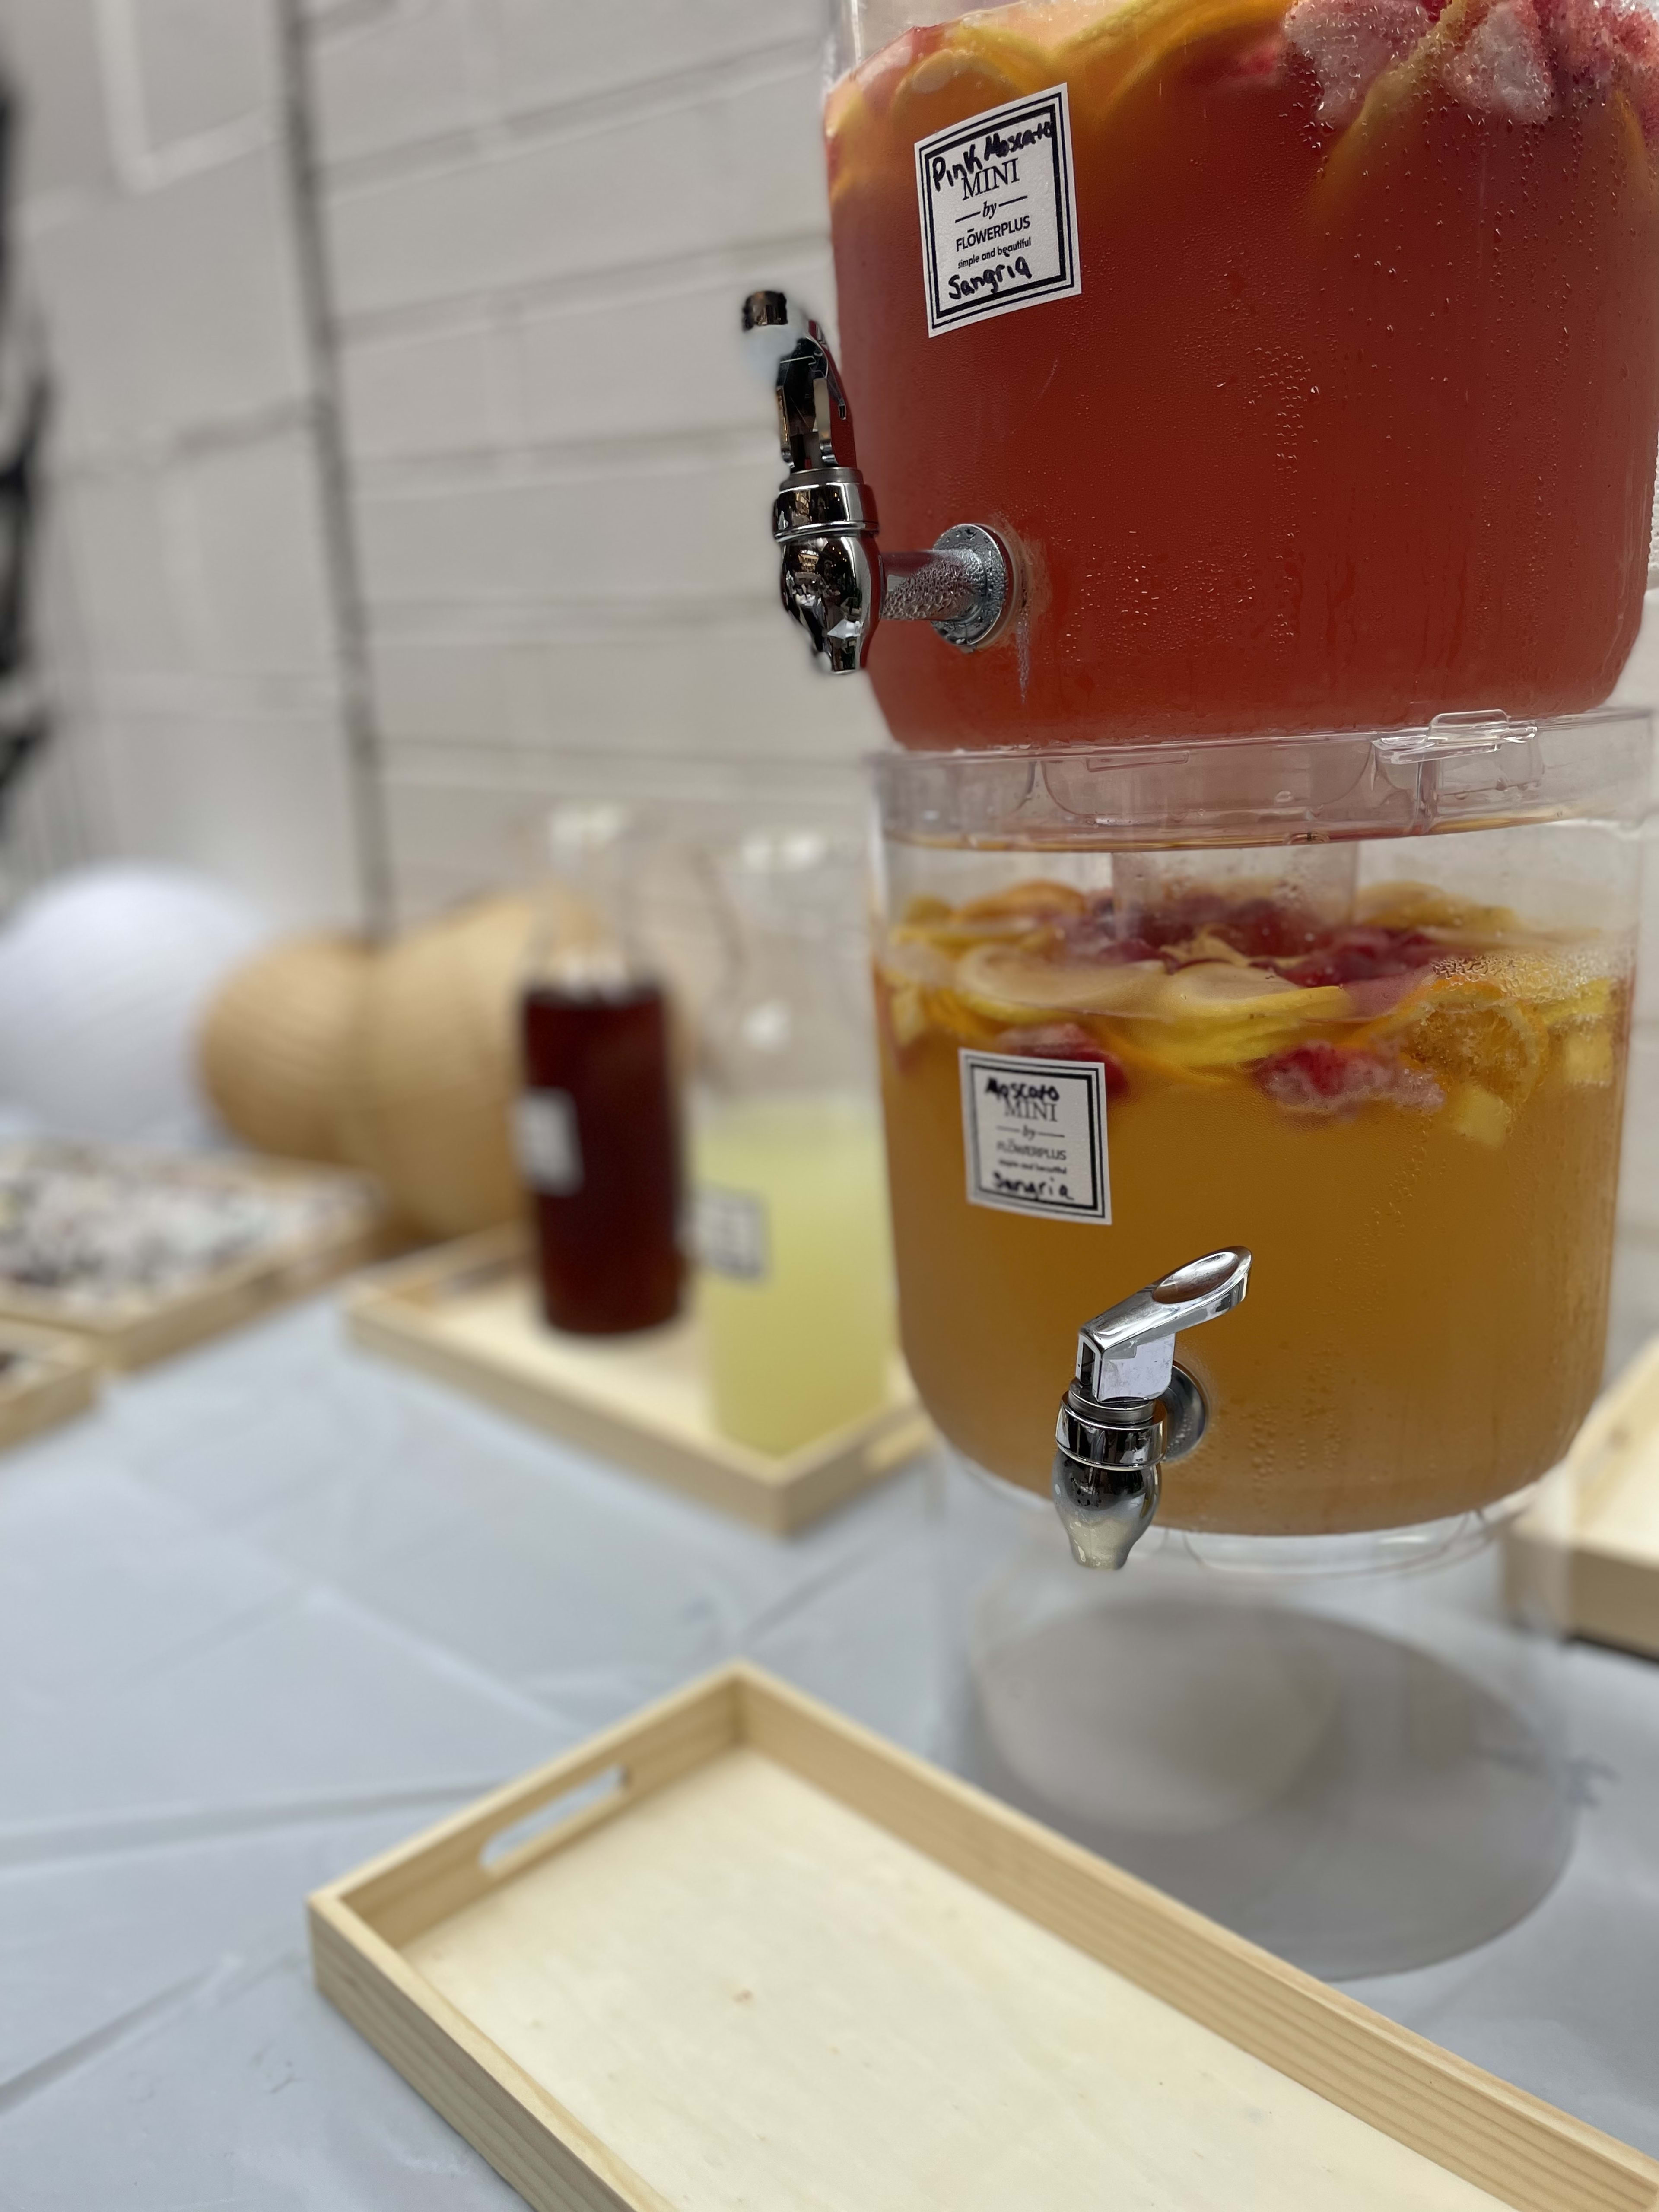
x=835 y=580
x=1130 y=1407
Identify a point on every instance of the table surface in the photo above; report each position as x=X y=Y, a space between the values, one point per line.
x=277 y=1606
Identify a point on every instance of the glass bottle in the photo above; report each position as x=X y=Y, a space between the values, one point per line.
x=795 y=1272
x=598 y=1124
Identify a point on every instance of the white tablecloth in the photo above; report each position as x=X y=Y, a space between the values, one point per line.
x=278 y=1605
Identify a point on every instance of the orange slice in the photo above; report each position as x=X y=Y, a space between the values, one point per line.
x=1470 y=1032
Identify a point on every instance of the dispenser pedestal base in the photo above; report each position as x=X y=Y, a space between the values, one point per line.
x=1362 y=1771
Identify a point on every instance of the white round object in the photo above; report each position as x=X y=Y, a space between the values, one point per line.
x=105 y=974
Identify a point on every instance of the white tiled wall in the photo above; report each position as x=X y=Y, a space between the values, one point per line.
x=543 y=216
x=188 y=610
x=540 y=216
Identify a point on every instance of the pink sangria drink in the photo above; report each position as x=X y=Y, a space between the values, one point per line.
x=1335 y=402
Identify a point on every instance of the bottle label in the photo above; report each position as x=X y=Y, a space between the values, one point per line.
x=548 y=1142
x=1034 y=1135
x=999 y=212
x=728 y=1234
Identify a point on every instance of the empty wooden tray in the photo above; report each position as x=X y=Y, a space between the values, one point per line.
x=1585 y=1555
x=739 y=1953
x=467 y=1314
x=45 y=1378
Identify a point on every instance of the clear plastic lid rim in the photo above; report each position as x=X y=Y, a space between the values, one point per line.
x=1459 y=772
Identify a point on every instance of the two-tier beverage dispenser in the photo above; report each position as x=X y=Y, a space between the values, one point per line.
x=1249 y=517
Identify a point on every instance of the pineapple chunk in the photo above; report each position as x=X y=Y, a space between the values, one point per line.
x=1587 y=1057
x=1479 y=1114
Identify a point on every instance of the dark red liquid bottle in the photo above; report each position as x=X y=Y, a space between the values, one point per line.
x=599 y=1143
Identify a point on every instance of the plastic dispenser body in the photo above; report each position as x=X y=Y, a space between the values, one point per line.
x=1357 y=1004
x=1307 y=357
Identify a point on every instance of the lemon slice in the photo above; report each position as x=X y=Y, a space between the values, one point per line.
x=1037 y=896
x=1002 y=981
x=1133 y=44
x=978 y=67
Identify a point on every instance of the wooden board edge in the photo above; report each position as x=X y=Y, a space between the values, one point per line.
x=881 y=1451
x=48 y=1402
x=1584 y=1588
x=409 y=1888
x=537 y=2147
x=414 y=1343
x=262 y=1287
x=404 y=1282
x=1521 y=2150
x=389 y=1311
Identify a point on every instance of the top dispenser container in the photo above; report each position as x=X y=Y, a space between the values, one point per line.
x=1241 y=367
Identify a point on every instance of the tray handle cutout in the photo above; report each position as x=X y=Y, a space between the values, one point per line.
x=561 y=1819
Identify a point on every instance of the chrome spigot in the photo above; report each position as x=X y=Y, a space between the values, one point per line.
x=1131 y=1408
x=835 y=581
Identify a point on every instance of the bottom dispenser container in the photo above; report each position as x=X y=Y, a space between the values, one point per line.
x=1350 y=1015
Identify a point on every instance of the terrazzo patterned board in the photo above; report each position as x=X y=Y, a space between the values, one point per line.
x=139 y=1252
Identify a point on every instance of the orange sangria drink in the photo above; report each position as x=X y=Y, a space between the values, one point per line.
x=1308 y=353
x=1404 y=1097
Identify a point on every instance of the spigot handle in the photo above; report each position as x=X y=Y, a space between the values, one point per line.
x=1128 y=1350
x=1131 y=1408
x=815 y=428
x=833 y=580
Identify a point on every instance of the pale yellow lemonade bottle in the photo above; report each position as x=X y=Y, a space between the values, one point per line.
x=795 y=1264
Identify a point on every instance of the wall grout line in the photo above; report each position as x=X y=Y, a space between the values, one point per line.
x=371 y=826
x=625 y=283
x=515 y=132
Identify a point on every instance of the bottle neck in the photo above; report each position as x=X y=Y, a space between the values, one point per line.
x=588 y=946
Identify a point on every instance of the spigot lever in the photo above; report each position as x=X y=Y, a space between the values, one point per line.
x=833 y=580
x=1130 y=1407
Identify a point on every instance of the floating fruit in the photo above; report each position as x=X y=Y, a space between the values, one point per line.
x=1480 y=1115
x=1470 y=1032
x=1038 y=898
x=1320 y=1077
x=1000 y=979
x=1065 y=1041
x=1129 y=47
x=979 y=66
x=1348 y=44
x=1587 y=1057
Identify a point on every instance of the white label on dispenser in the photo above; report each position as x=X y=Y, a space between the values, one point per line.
x=550 y=1147
x=999 y=212
x=728 y=1233
x=1034 y=1135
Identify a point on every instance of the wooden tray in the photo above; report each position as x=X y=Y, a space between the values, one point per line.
x=738 y=1953
x=466 y=1312
x=49 y=1378
x=1585 y=1555
x=147 y=1326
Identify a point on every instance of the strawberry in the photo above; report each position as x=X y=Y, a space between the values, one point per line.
x=1318 y=1078
x=1502 y=67
x=1348 y=44
x=1065 y=1041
